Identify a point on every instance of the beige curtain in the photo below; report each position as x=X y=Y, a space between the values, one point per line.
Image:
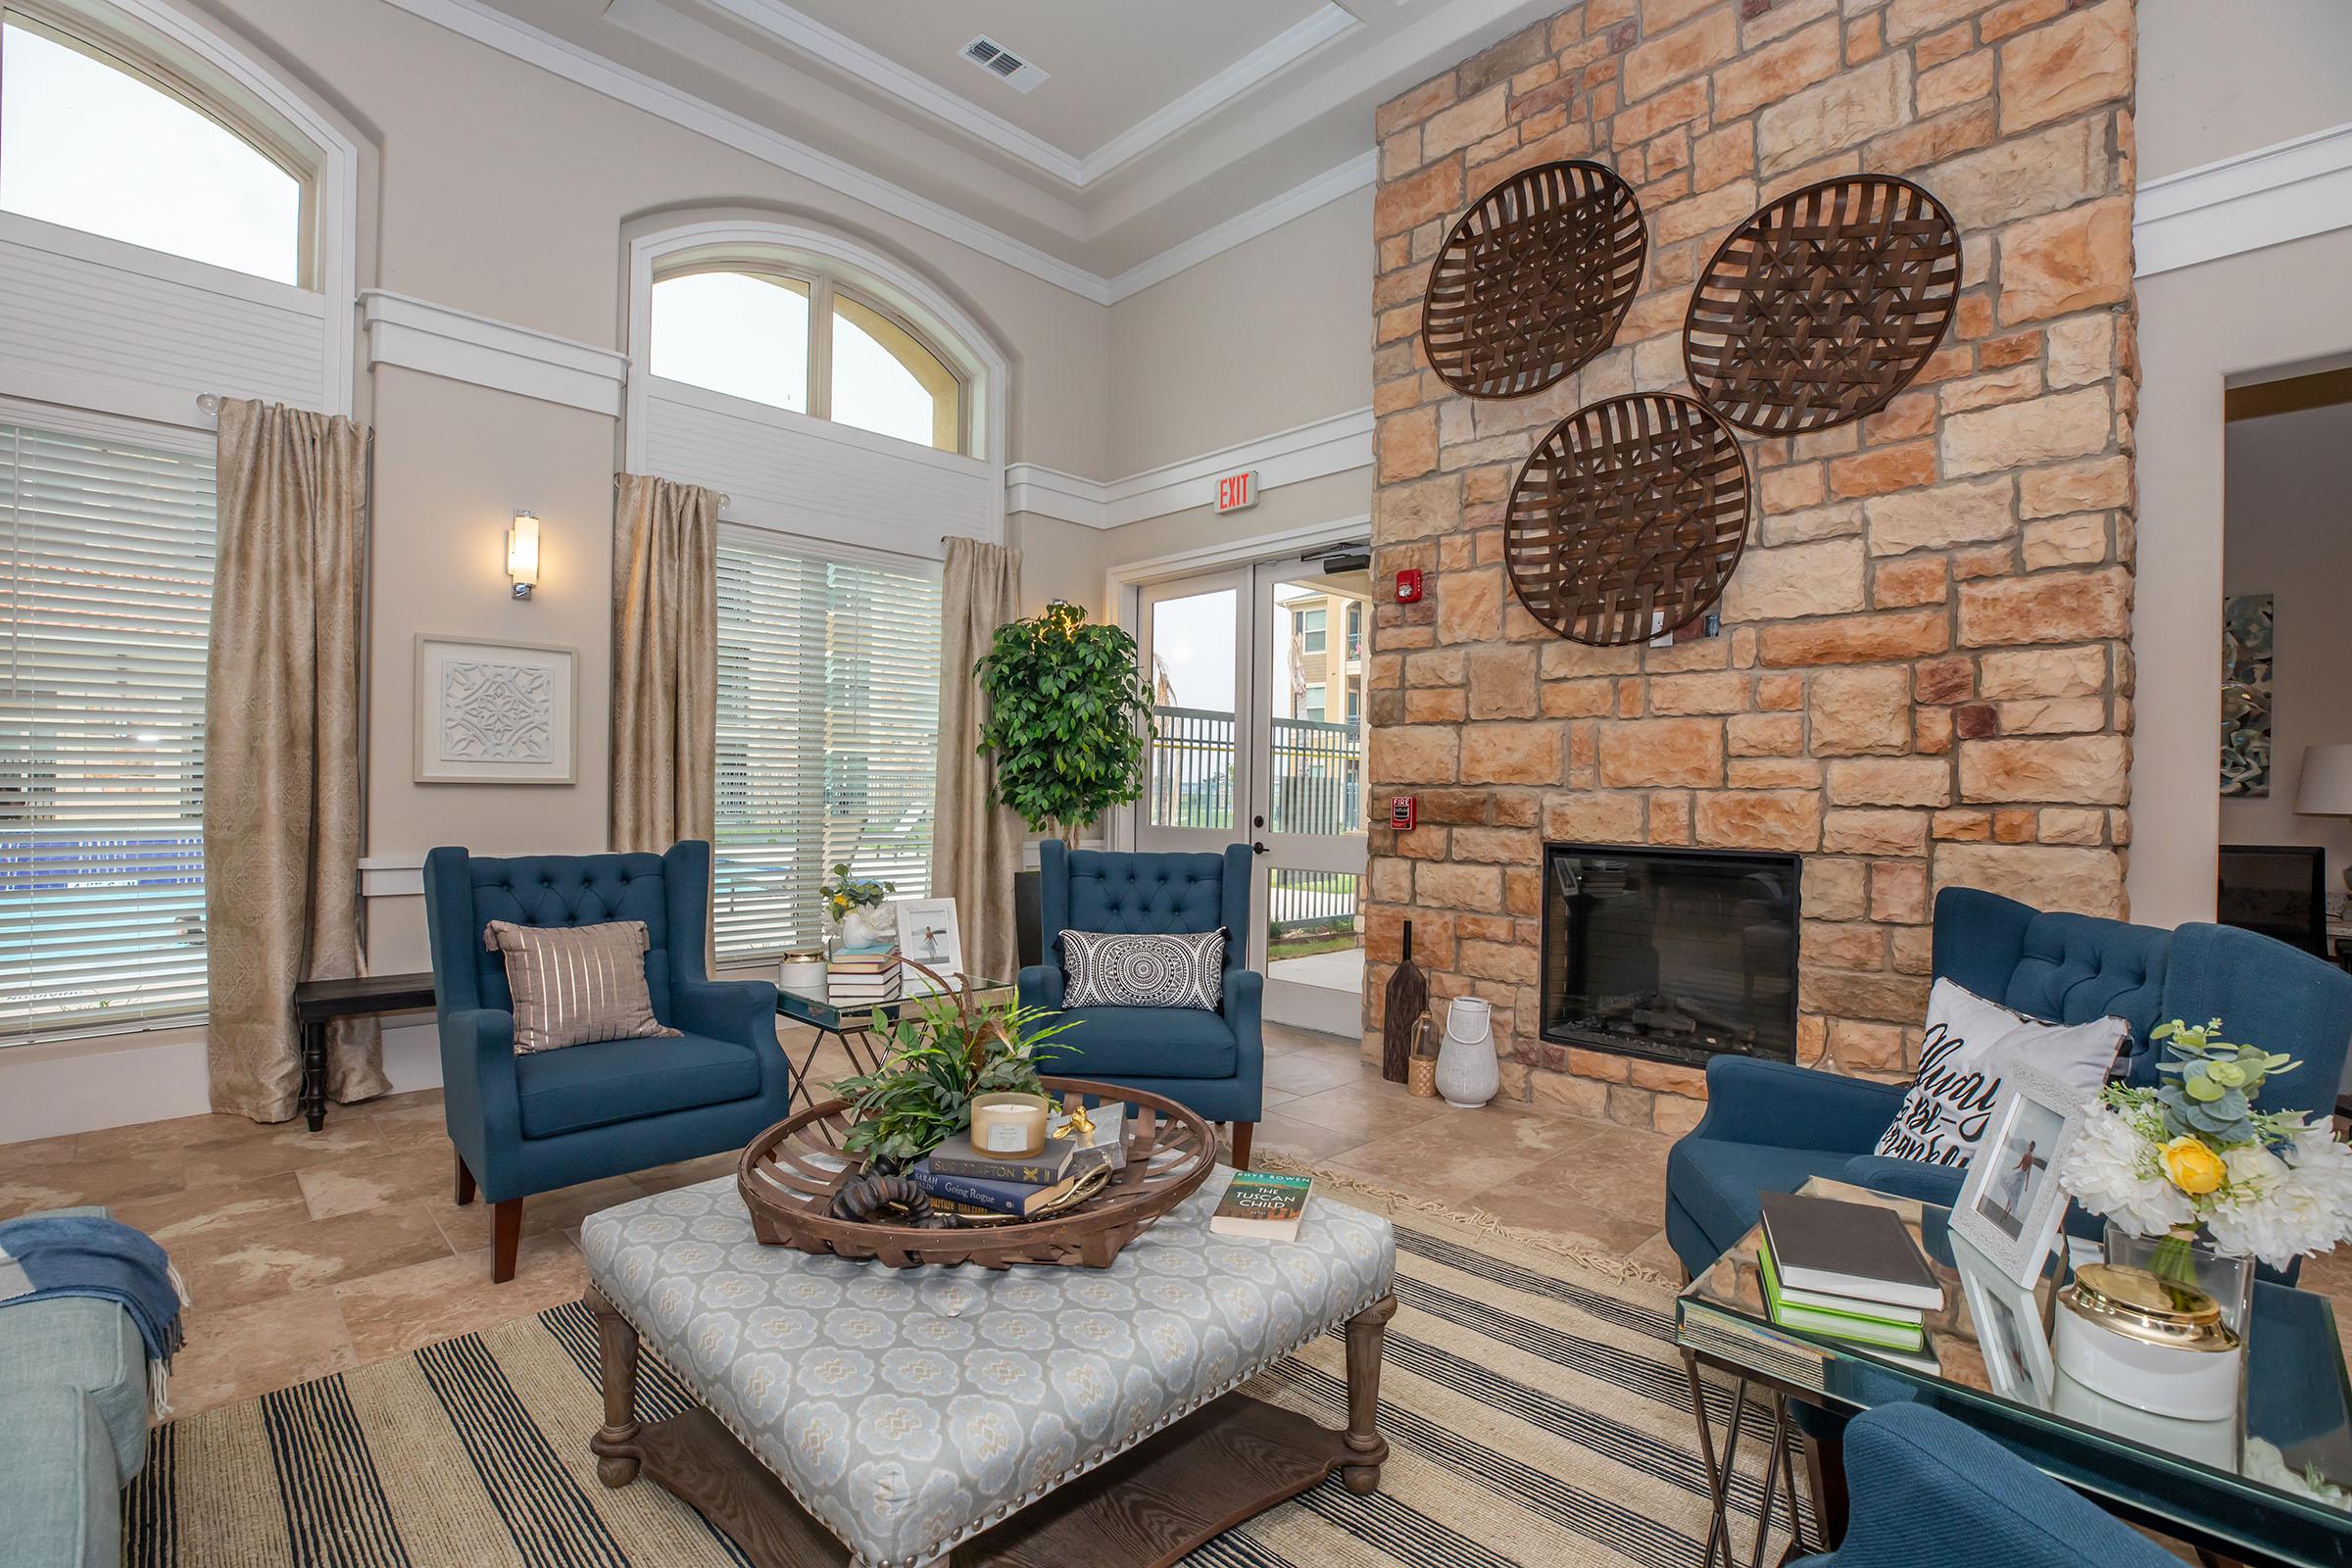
x=975 y=847
x=281 y=751
x=664 y=662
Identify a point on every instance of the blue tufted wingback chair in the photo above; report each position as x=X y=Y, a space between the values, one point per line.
x=1932 y=1493
x=1770 y=1125
x=526 y=1124
x=1212 y=1062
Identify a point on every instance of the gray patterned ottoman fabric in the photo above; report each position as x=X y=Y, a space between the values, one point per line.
x=908 y=1409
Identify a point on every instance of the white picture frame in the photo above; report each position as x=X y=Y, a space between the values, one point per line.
x=2010 y=1204
x=2010 y=1334
x=495 y=712
x=928 y=935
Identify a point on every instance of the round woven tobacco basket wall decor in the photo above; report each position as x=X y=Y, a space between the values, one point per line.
x=1823 y=306
x=1627 y=518
x=1534 y=279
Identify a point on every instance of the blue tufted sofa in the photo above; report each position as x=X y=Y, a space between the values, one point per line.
x=1771 y=1125
x=1212 y=1062
x=526 y=1124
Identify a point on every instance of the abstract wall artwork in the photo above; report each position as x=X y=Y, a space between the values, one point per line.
x=493 y=713
x=2246 y=695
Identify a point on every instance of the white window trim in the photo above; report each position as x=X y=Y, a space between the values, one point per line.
x=210 y=54
x=949 y=330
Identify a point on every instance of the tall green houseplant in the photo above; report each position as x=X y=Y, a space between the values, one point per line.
x=1068 y=714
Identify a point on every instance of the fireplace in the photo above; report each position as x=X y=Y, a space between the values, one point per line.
x=1675 y=956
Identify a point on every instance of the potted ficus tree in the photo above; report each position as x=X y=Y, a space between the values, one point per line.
x=1068 y=714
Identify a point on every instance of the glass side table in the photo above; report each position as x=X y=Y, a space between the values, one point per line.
x=2271 y=1486
x=850 y=1023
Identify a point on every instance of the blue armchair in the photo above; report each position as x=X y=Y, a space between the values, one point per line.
x=1931 y=1492
x=526 y=1124
x=1212 y=1062
x=1771 y=1125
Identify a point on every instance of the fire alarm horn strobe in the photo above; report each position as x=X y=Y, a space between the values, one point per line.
x=1409 y=586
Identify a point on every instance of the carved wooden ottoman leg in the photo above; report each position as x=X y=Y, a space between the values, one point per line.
x=1366 y=1332
x=615 y=1442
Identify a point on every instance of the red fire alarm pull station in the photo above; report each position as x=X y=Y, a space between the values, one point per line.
x=1409 y=586
x=1403 y=813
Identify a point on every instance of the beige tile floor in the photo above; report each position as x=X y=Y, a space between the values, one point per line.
x=312 y=1252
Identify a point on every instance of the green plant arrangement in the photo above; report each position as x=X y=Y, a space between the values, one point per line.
x=933 y=1060
x=1069 y=712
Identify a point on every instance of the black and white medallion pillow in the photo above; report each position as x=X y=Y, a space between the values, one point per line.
x=1173 y=969
x=1970 y=1047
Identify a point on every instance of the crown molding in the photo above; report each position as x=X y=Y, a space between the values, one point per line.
x=814 y=39
x=441 y=340
x=471 y=19
x=845 y=53
x=2271 y=195
x=1267 y=61
x=1337 y=445
x=1325 y=188
x=584 y=67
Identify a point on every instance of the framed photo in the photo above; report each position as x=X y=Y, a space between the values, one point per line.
x=493 y=713
x=2007 y=1318
x=929 y=936
x=2011 y=1203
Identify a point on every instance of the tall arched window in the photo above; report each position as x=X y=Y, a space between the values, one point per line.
x=93 y=138
x=783 y=333
x=852 y=415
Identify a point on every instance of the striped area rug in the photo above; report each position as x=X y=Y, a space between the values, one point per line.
x=1536 y=1411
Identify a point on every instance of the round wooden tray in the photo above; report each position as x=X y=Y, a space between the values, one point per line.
x=1627 y=518
x=789 y=1174
x=1533 y=281
x=1823 y=305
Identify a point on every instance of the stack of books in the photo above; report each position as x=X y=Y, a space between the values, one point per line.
x=1845 y=1271
x=958 y=1173
x=863 y=977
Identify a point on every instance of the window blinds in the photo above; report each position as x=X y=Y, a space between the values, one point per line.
x=828 y=734
x=106 y=587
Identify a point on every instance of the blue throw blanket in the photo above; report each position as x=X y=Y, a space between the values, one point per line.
x=49 y=1255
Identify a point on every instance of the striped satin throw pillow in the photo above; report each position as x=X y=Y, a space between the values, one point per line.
x=574 y=984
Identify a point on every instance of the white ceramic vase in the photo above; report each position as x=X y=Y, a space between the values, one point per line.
x=867 y=925
x=1467 y=1073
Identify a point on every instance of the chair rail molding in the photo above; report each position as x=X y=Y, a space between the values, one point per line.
x=2287 y=191
x=1334 y=445
x=442 y=340
x=392 y=876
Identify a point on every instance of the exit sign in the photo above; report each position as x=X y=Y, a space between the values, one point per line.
x=1237 y=490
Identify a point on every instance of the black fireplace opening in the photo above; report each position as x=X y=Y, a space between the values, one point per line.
x=1675 y=956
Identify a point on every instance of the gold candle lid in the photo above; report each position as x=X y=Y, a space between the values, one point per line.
x=2138 y=1304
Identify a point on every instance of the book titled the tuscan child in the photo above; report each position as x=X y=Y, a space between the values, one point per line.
x=1261 y=1205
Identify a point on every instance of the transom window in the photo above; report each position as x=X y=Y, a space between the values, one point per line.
x=93 y=140
x=802 y=342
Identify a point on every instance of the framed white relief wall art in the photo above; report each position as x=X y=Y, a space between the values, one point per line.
x=492 y=712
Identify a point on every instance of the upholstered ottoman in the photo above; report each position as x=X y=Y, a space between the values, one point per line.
x=1082 y=1418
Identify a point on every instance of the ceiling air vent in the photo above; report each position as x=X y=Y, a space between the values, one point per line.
x=998 y=61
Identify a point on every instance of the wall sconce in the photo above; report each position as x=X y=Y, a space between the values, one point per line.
x=523 y=552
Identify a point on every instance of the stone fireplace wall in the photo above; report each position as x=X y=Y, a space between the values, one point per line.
x=1923 y=676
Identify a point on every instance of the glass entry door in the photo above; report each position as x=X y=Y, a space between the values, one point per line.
x=1257 y=678
x=1306 y=804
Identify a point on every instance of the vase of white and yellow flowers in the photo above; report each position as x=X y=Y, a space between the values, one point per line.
x=2195 y=1181
x=854 y=910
